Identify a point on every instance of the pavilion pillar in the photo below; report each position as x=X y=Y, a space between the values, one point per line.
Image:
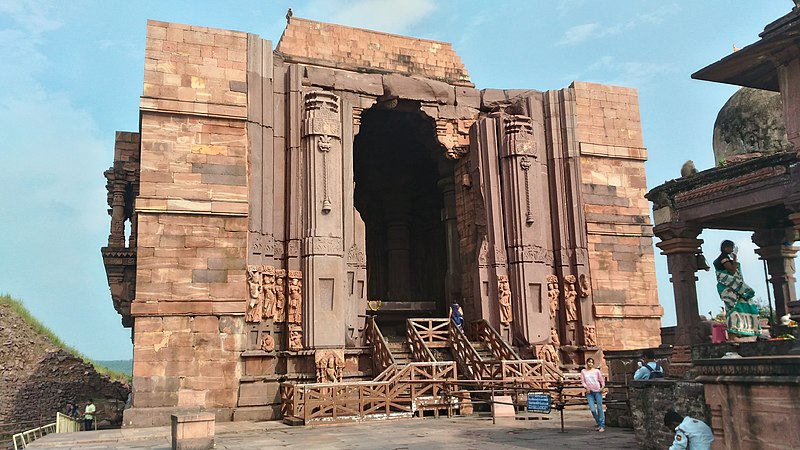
x=775 y=247
x=117 y=236
x=680 y=245
x=452 y=281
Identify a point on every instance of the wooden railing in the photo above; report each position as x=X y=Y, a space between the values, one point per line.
x=464 y=353
x=433 y=332
x=415 y=387
x=382 y=357
x=419 y=350
x=499 y=347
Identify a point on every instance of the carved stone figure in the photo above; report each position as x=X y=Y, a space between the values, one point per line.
x=295 y=338
x=548 y=353
x=570 y=294
x=330 y=366
x=267 y=343
x=552 y=294
x=268 y=289
x=295 y=303
x=280 y=296
x=590 y=335
x=586 y=287
x=504 y=299
x=554 y=339
x=254 y=306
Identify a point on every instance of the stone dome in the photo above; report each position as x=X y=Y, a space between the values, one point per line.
x=751 y=121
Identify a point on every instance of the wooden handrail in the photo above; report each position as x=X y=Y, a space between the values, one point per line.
x=465 y=354
x=419 y=350
x=382 y=357
x=499 y=347
x=360 y=399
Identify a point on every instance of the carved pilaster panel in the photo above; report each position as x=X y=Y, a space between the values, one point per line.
x=570 y=296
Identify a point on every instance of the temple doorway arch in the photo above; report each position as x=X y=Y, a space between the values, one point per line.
x=399 y=173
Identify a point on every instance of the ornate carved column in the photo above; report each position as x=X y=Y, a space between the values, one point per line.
x=322 y=253
x=452 y=281
x=490 y=234
x=117 y=236
x=775 y=247
x=680 y=245
x=523 y=198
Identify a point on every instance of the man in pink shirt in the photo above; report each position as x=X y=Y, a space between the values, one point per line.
x=593 y=381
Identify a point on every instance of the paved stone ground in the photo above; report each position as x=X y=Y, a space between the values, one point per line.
x=462 y=433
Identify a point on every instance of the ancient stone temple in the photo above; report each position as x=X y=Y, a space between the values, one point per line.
x=276 y=200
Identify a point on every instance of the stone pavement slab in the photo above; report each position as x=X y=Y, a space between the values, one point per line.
x=462 y=433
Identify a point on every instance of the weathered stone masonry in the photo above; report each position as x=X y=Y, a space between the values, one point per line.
x=349 y=165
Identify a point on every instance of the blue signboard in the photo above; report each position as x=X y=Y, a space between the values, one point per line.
x=538 y=402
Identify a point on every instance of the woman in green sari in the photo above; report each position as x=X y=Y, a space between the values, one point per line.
x=741 y=313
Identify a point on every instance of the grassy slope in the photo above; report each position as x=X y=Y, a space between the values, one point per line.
x=39 y=328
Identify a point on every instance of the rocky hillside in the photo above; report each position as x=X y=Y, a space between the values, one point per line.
x=39 y=376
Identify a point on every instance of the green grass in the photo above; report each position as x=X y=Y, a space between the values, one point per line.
x=18 y=308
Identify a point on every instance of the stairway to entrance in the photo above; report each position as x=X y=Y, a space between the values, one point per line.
x=416 y=373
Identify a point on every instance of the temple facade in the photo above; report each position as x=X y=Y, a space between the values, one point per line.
x=274 y=198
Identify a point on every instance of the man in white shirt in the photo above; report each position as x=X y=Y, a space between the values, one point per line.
x=88 y=416
x=690 y=434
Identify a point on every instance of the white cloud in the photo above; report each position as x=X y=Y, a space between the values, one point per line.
x=390 y=16
x=626 y=73
x=565 y=7
x=31 y=15
x=580 y=33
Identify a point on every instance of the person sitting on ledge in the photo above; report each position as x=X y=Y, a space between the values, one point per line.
x=690 y=434
x=650 y=369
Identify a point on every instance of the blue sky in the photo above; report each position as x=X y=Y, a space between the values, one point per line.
x=72 y=75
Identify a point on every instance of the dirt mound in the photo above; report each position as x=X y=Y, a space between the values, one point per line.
x=38 y=378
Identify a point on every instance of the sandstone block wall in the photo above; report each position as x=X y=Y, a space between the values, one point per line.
x=618 y=225
x=192 y=222
x=350 y=48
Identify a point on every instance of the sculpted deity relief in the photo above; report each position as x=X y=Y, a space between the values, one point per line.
x=586 y=287
x=254 y=306
x=552 y=295
x=295 y=304
x=295 y=337
x=330 y=366
x=280 y=296
x=548 y=353
x=268 y=289
x=554 y=339
x=267 y=343
x=267 y=299
x=570 y=294
x=504 y=299
x=590 y=335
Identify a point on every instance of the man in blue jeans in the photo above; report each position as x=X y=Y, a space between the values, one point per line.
x=593 y=381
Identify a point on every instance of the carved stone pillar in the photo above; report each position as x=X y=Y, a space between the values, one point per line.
x=398 y=248
x=322 y=255
x=521 y=171
x=452 y=281
x=680 y=245
x=490 y=236
x=117 y=236
x=775 y=247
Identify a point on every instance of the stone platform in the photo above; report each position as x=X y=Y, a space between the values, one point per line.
x=462 y=433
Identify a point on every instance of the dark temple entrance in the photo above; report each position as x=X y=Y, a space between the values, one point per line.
x=397 y=168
